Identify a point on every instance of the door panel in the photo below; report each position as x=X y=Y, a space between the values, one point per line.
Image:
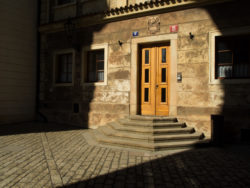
x=147 y=91
x=162 y=80
x=155 y=80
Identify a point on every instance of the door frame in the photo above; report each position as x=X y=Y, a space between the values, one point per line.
x=135 y=71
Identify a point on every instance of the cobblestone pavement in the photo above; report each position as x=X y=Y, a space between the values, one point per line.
x=46 y=155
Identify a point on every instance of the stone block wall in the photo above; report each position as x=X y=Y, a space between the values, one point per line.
x=197 y=97
x=98 y=104
x=51 y=12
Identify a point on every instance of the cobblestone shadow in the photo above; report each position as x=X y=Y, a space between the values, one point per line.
x=33 y=127
x=61 y=157
x=210 y=167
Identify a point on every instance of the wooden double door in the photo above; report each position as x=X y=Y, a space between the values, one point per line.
x=155 y=61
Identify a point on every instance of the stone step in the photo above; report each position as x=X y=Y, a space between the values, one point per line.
x=149 y=133
x=150 y=138
x=152 y=118
x=157 y=124
x=144 y=145
x=150 y=130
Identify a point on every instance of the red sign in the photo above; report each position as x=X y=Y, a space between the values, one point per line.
x=174 y=28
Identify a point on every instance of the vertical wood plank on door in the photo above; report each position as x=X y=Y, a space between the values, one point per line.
x=153 y=100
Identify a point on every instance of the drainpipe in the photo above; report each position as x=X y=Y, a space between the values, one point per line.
x=39 y=115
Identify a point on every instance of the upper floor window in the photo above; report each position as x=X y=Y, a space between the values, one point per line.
x=62 y=2
x=232 y=57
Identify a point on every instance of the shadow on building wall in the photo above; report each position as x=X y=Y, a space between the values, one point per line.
x=235 y=99
x=59 y=103
x=235 y=105
x=190 y=168
x=69 y=104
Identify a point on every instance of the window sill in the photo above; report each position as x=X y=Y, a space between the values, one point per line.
x=230 y=81
x=63 y=84
x=65 y=5
x=94 y=84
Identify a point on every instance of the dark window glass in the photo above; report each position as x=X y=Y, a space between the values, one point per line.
x=100 y=65
x=163 y=75
x=163 y=94
x=146 y=75
x=62 y=2
x=76 y=108
x=223 y=45
x=225 y=57
x=95 y=66
x=232 y=56
x=163 y=55
x=64 y=68
x=100 y=56
x=146 y=93
x=146 y=56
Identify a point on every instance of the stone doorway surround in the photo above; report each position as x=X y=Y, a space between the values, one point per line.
x=135 y=65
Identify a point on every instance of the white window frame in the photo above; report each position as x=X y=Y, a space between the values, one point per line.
x=103 y=46
x=212 y=36
x=60 y=52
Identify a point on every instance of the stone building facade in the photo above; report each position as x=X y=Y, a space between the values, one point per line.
x=206 y=72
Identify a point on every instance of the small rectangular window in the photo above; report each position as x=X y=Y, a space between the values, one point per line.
x=232 y=57
x=146 y=75
x=64 y=68
x=163 y=55
x=163 y=94
x=76 y=108
x=163 y=75
x=146 y=56
x=146 y=94
x=62 y=2
x=95 y=66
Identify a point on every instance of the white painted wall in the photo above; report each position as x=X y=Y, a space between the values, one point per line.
x=17 y=60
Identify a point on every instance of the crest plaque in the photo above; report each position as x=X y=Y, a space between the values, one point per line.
x=154 y=25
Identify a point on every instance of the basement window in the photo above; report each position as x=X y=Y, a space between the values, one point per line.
x=232 y=57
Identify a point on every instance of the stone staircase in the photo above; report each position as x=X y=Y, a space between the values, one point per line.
x=148 y=133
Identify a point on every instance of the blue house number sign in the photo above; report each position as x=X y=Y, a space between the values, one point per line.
x=135 y=33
